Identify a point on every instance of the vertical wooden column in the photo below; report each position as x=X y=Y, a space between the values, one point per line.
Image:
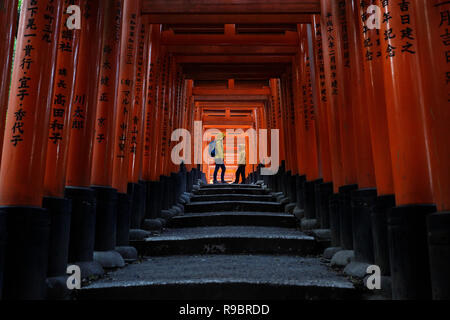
x=59 y=207
x=298 y=96
x=82 y=225
x=126 y=93
x=274 y=86
x=325 y=189
x=136 y=185
x=409 y=150
x=136 y=130
x=107 y=97
x=364 y=198
x=62 y=107
x=363 y=144
x=151 y=109
x=375 y=103
x=332 y=83
x=433 y=25
x=322 y=100
x=104 y=144
x=24 y=149
x=8 y=29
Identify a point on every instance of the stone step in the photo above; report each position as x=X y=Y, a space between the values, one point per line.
x=263 y=219
x=228 y=240
x=226 y=277
x=220 y=206
x=230 y=190
x=230 y=185
x=233 y=197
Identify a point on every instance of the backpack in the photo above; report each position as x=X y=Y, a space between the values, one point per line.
x=212 y=148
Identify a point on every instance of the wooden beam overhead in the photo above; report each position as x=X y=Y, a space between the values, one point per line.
x=290 y=38
x=232 y=98
x=230 y=7
x=234 y=71
x=231 y=50
x=235 y=92
x=235 y=59
x=176 y=18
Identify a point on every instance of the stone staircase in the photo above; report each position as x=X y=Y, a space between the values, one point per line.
x=232 y=242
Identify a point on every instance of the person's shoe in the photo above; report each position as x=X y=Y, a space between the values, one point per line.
x=224 y=182
x=215 y=182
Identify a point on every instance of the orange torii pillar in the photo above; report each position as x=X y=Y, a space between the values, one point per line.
x=82 y=224
x=308 y=116
x=284 y=107
x=299 y=137
x=126 y=92
x=54 y=201
x=409 y=150
x=337 y=41
x=433 y=25
x=376 y=110
x=364 y=198
x=323 y=190
x=24 y=254
x=333 y=88
x=136 y=185
x=278 y=123
x=104 y=143
x=151 y=134
x=8 y=29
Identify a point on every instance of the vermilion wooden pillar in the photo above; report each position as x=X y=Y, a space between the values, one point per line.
x=136 y=185
x=103 y=150
x=8 y=29
x=328 y=28
x=82 y=226
x=409 y=150
x=323 y=107
x=334 y=90
x=363 y=144
x=309 y=117
x=433 y=25
x=325 y=189
x=62 y=108
x=151 y=109
x=24 y=149
x=363 y=198
x=375 y=103
x=126 y=92
x=59 y=207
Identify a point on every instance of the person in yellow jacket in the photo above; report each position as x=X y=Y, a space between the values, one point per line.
x=219 y=158
x=242 y=161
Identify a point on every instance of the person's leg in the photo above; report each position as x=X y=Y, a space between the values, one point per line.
x=242 y=167
x=222 y=175
x=237 y=174
x=216 y=169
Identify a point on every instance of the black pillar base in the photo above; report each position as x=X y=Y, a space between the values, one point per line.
x=345 y=206
x=25 y=252
x=106 y=219
x=362 y=202
x=59 y=210
x=136 y=192
x=380 y=232
x=335 y=220
x=164 y=195
x=439 y=251
x=299 y=186
x=323 y=193
x=82 y=224
x=310 y=199
x=123 y=219
x=408 y=252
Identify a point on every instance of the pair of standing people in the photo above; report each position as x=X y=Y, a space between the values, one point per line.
x=220 y=163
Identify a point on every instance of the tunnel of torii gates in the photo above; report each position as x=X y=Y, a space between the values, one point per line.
x=87 y=115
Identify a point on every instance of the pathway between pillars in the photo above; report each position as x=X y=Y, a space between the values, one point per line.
x=232 y=242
